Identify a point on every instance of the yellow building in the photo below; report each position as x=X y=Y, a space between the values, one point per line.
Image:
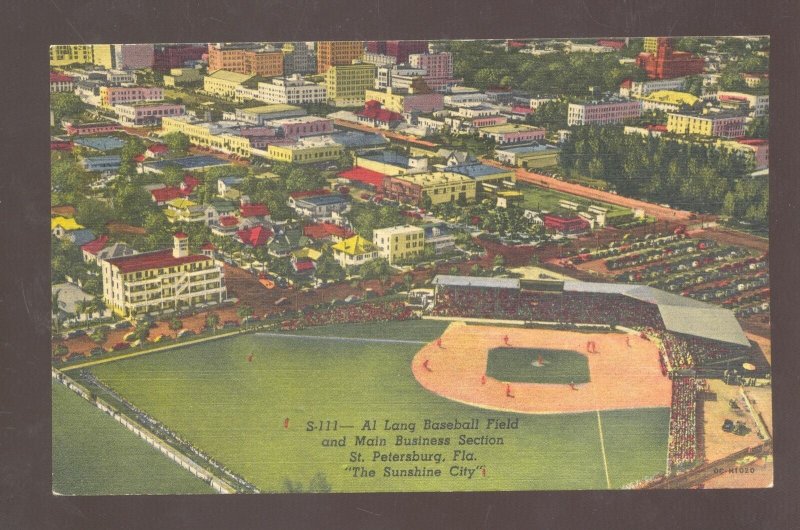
x=389 y=100
x=668 y=100
x=223 y=83
x=66 y=54
x=354 y=251
x=651 y=43
x=182 y=76
x=724 y=124
x=399 y=243
x=103 y=55
x=154 y=282
x=346 y=85
x=208 y=134
x=337 y=53
x=305 y=151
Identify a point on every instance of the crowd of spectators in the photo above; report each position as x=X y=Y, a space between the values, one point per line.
x=683 y=449
x=350 y=314
x=571 y=308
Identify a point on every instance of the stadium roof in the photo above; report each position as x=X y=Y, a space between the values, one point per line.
x=680 y=314
x=476 y=281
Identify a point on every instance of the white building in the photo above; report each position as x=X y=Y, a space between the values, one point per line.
x=292 y=90
x=637 y=89
x=602 y=112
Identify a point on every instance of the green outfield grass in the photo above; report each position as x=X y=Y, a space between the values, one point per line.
x=516 y=365
x=95 y=455
x=539 y=198
x=235 y=411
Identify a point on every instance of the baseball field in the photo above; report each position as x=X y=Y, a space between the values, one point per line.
x=95 y=455
x=279 y=409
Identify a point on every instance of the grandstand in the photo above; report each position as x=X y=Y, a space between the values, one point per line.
x=694 y=337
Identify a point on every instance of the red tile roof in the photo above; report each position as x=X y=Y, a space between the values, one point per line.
x=93 y=247
x=139 y=158
x=255 y=237
x=254 y=210
x=63 y=210
x=166 y=194
x=372 y=110
x=191 y=180
x=365 y=176
x=208 y=246
x=55 y=78
x=323 y=230
x=626 y=83
x=753 y=141
x=616 y=44
x=521 y=110
x=158 y=148
x=228 y=220
x=303 y=265
x=180 y=235
x=153 y=260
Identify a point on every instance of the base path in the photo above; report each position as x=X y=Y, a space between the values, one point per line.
x=621 y=377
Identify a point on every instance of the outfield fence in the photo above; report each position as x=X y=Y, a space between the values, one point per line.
x=170 y=452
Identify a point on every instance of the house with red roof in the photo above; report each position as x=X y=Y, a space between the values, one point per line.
x=363 y=178
x=225 y=225
x=61 y=83
x=254 y=211
x=327 y=232
x=161 y=196
x=256 y=236
x=91 y=249
x=175 y=279
x=303 y=266
x=375 y=116
x=156 y=151
x=565 y=225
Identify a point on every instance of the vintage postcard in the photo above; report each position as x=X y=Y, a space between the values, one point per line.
x=410 y=266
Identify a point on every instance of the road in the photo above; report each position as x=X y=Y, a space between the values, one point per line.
x=661 y=213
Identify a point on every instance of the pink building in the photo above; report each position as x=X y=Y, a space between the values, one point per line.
x=111 y=96
x=144 y=114
x=302 y=126
x=78 y=129
x=760 y=148
x=603 y=112
x=423 y=102
x=438 y=69
x=486 y=121
x=134 y=56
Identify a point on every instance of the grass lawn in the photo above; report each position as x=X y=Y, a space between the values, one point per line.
x=95 y=455
x=519 y=365
x=235 y=410
x=538 y=198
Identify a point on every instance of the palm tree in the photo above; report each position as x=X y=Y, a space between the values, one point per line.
x=56 y=311
x=212 y=320
x=83 y=307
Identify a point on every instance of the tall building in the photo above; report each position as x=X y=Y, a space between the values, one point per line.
x=346 y=85
x=438 y=69
x=298 y=58
x=134 y=56
x=245 y=58
x=66 y=54
x=293 y=90
x=665 y=63
x=337 y=53
x=169 y=279
x=169 y=56
x=103 y=55
x=399 y=243
x=651 y=44
x=399 y=49
x=726 y=124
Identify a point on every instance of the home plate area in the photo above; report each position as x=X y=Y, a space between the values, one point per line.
x=542 y=371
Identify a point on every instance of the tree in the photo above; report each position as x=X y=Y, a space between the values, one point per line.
x=175 y=324
x=177 y=142
x=244 y=311
x=212 y=321
x=172 y=175
x=759 y=127
x=329 y=269
x=99 y=335
x=92 y=213
x=377 y=269
x=499 y=260
x=132 y=203
x=133 y=147
x=66 y=105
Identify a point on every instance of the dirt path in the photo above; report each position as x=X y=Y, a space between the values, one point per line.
x=621 y=377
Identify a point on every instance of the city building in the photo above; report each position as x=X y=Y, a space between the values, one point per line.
x=668 y=100
x=346 y=85
x=134 y=56
x=224 y=83
x=373 y=115
x=225 y=137
x=262 y=114
x=182 y=76
x=565 y=225
x=244 y=58
x=399 y=49
x=727 y=124
x=438 y=69
x=637 y=89
x=145 y=114
x=75 y=128
x=161 y=281
x=439 y=237
x=169 y=56
x=320 y=206
x=758 y=104
x=666 y=63
x=354 y=251
x=298 y=58
x=103 y=55
x=602 y=112
x=488 y=179
x=529 y=156
x=416 y=98
x=337 y=53
x=102 y=164
x=293 y=90
x=391 y=163
x=306 y=150
x=512 y=133
x=61 y=83
x=111 y=96
x=439 y=186
x=302 y=126
x=399 y=243
x=67 y=54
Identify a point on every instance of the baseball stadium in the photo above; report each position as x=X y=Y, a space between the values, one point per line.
x=568 y=384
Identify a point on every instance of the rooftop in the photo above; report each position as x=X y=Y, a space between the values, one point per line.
x=672 y=97
x=269 y=109
x=354 y=246
x=509 y=128
x=153 y=260
x=476 y=281
x=366 y=176
x=100 y=143
x=475 y=170
x=435 y=178
x=226 y=75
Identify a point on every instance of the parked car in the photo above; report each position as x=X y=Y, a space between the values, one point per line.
x=124 y=324
x=121 y=346
x=185 y=333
